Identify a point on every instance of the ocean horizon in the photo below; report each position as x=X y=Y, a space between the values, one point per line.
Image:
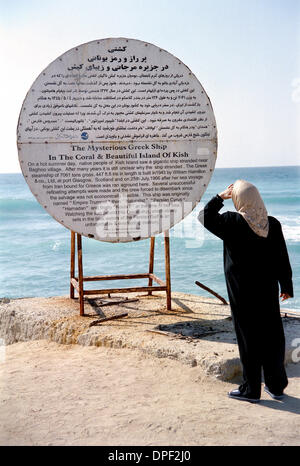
x=35 y=249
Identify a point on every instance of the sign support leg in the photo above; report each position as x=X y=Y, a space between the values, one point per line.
x=72 y=269
x=151 y=261
x=168 y=270
x=80 y=274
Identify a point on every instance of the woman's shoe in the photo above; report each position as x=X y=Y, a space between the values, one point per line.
x=275 y=396
x=236 y=394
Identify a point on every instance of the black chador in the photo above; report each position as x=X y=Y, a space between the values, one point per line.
x=254 y=265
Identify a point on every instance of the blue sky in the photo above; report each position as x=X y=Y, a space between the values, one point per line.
x=246 y=54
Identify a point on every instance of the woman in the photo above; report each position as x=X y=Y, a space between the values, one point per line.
x=255 y=260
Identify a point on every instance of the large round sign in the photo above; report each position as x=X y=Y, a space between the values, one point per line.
x=117 y=139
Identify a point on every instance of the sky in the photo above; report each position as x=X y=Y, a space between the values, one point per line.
x=245 y=53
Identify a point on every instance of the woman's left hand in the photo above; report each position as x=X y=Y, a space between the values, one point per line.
x=284 y=296
x=227 y=193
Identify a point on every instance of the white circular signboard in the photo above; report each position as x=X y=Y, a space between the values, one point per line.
x=117 y=139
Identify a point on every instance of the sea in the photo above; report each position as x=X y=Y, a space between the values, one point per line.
x=35 y=249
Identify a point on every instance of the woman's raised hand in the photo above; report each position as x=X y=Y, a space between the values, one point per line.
x=284 y=296
x=226 y=194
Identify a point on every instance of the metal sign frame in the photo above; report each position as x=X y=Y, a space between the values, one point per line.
x=77 y=282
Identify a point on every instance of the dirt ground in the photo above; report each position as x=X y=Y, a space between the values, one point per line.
x=53 y=394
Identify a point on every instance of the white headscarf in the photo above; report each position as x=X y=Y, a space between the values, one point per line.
x=249 y=204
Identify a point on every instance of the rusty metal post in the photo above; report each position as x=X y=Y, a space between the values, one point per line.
x=168 y=270
x=151 y=261
x=80 y=274
x=72 y=268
